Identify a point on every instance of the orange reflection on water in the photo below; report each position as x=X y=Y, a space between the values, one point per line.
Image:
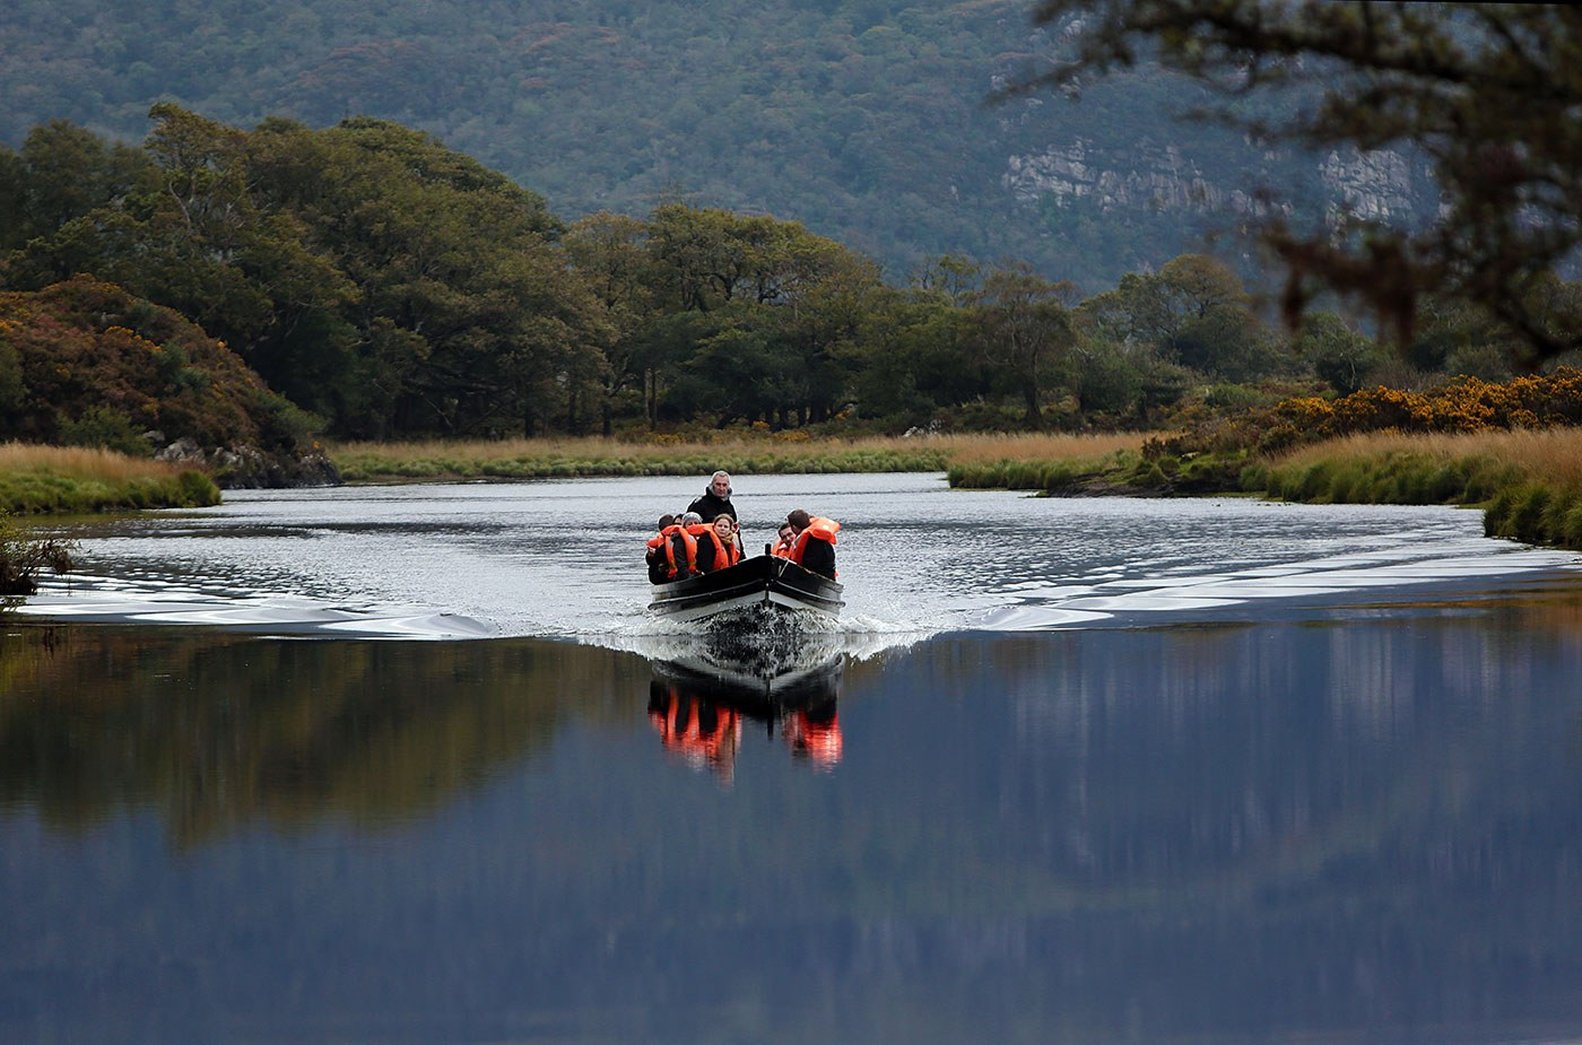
x=703 y=733
x=699 y=715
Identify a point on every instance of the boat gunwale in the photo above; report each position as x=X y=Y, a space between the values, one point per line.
x=759 y=579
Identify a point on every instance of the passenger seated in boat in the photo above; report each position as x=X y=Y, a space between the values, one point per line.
x=717 y=545
x=814 y=548
x=677 y=552
x=659 y=568
x=785 y=541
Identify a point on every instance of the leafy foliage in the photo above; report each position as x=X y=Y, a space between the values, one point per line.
x=23 y=558
x=96 y=365
x=1488 y=92
x=386 y=286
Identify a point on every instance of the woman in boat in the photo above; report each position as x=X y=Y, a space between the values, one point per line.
x=717 y=545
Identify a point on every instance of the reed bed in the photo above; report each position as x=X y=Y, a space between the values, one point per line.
x=768 y=454
x=65 y=479
x=1051 y=464
x=1529 y=482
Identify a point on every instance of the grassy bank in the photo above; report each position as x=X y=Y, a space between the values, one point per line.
x=1528 y=482
x=770 y=454
x=75 y=480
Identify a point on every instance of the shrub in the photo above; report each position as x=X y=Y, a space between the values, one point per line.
x=104 y=428
x=23 y=558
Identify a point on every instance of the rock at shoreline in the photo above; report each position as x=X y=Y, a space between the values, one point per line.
x=247 y=467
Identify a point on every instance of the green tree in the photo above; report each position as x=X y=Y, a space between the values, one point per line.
x=1194 y=311
x=913 y=355
x=1341 y=356
x=822 y=293
x=465 y=317
x=192 y=235
x=805 y=295
x=1025 y=329
x=608 y=250
x=62 y=172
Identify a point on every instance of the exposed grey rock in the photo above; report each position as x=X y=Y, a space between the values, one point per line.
x=1380 y=184
x=248 y=467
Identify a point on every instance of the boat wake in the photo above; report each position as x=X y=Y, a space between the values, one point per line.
x=762 y=641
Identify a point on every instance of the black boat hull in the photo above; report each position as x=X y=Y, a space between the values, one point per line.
x=763 y=580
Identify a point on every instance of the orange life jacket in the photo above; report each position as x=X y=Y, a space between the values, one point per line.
x=819 y=527
x=672 y=535
x=725 y=552
x=782 y=549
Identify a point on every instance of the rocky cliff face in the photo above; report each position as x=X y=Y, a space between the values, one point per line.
x=1381 y=185
x=1147 y=177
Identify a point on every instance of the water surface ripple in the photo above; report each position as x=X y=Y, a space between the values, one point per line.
x=563 y=559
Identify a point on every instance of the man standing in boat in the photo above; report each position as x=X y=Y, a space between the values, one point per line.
x=716 y=501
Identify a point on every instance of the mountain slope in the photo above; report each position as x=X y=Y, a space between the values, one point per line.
x=869 y=121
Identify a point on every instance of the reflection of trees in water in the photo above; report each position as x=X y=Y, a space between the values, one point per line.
x=221 y=730
x=1311 y=767
x=1251 y=832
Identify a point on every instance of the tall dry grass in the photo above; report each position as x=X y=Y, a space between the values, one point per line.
x=1529 y=482
x=83 y=462
x=56 y=479
x=734 y=452
x=970 y=450
x=1553 y=454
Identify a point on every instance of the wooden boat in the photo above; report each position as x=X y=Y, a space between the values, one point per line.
x=763 y=580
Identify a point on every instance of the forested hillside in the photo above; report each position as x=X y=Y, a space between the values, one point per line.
x=868 y=121
x=393 y=287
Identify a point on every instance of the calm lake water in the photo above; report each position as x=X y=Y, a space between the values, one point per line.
x=411 y=764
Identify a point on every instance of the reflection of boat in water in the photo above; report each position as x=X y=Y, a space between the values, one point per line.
x=699 y=708
x=763 y=580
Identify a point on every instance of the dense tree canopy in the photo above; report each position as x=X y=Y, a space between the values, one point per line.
x=383 y=285
x=1491 y=93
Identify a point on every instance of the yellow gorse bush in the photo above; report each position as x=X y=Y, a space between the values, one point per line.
x=1465 y=405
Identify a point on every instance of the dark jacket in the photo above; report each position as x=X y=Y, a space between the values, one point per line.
x=709 y=506
x=714 y=554
x=672 y=555
x=658 y=565
x=819 y=556
x=814 y=547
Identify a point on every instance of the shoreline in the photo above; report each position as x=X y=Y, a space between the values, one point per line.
x=1528 y=483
